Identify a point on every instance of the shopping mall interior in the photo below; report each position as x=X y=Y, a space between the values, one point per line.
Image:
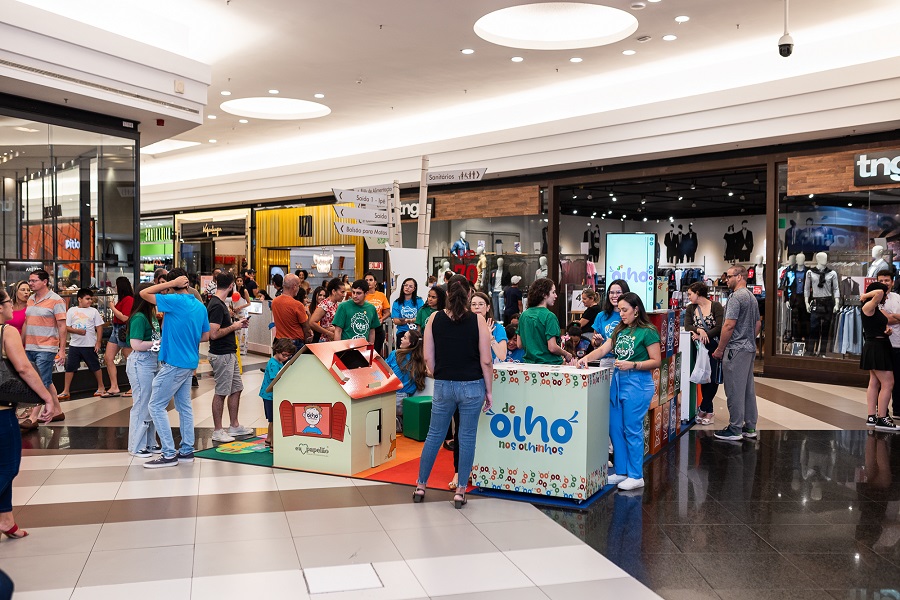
x=513 y=141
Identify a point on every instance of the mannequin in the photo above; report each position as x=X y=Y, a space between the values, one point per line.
x=671 y=244
x=480 y=268
x=744 y=244
x=460 y=246
x=878 y=262
x=500 y=278
x=542 y=270
x=445 y=266
x=592 y=238
x=822 y=296
x=690 y=243
x=796 y=282
x=679 y=244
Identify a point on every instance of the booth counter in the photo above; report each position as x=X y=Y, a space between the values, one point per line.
x=547 y=432
x=335 y=409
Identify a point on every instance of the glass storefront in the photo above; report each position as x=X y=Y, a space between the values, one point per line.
x=156 y=246
x=68 y=203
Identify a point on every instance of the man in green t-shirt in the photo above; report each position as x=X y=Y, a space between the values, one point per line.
x=357 y=318
x=539 y=328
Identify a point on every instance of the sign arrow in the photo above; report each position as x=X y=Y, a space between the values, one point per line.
x=361 y=230
x=376 y=200
x=361 y=215
x=455 y=176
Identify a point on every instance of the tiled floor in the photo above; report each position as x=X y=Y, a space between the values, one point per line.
x=810 y=510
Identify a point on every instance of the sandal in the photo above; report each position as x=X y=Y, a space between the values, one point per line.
x=64 y=396
x=459 y=500
x=419 y=494
x=453 y=484
x=127 y=394
x=109 y=395
x=15 y=533
x=99 y=394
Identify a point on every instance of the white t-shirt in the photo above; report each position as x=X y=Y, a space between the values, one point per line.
x=892 y=305
x=87 y=319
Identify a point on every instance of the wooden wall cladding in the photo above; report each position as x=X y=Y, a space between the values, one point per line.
x=829 y=173
x=506 y=201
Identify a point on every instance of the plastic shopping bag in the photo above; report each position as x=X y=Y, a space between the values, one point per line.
x=702 y=369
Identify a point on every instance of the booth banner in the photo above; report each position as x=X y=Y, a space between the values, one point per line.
x=633 y=257
x=547 y=432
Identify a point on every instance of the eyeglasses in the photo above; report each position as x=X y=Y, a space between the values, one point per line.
x=730 y=276
x=7 y=301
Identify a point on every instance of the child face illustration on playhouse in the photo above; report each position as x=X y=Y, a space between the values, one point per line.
x=336 y=408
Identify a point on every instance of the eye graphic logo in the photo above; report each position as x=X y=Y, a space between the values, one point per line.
x=625 y=347
x=359 y=325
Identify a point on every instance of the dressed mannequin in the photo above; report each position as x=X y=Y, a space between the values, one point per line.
x=500 y=278
x=542 y=270
x=670 y=241
x=445 y=266
x=679 y=245
x=689 y=244
x=744 y=244
x=460 y=246
x=794 y=284
x=822 y=295
x=480 y=268
x=592 y=238
x=878 y=262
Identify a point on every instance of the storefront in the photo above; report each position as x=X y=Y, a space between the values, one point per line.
x=213 y=240
x=157 y=246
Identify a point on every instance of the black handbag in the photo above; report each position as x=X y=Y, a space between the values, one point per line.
x=13 y=389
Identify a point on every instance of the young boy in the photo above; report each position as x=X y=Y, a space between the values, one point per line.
x=86 y=326
x=282 y=351
x=515 y=352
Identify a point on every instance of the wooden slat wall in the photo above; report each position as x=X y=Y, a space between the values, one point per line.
x=829 y=173
x=279 y=229
x=505 y=201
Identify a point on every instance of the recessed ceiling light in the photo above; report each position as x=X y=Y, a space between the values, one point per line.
x=517 y=59
x=243 y=121
x=319 y=96
x=575 y=59
x=26 y=129
x=211 y=117
x=213 y=141
x=283 y=109
x=654 y=1
x=467 y=51
x=682 y=19
x=555 y=26
x=670 y=38
x=225 y=93
x=273 y=91
x=575 y=211
x=629 y=52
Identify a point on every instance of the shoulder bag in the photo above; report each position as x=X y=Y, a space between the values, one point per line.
x=13 y=389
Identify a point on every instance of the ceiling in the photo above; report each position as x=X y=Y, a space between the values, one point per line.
x=393 y=66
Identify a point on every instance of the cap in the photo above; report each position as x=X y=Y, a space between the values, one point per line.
x=251 y=271
x=516 y=279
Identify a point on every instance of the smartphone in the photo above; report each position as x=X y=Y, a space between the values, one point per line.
x=255 y=308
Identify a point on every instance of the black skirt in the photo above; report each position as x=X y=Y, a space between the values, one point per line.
x=876 y=355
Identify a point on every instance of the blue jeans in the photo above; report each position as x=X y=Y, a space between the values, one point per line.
x=468 y=398
x=141 y=367
x=173 y=381
x=43 y=364
x=629 y=399
x=10 y=456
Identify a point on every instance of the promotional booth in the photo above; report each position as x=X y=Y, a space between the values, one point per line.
x=335 y=409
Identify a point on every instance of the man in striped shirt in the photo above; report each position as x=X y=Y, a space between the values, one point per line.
x=45 y=338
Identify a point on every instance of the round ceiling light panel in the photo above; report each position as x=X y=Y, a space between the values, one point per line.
x=556 y=26
x=276 y=109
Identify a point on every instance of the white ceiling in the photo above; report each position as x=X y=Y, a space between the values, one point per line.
x=393 y=75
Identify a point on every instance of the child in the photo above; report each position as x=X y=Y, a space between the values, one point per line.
x=86 y=326
x=408 y=364
x=282 y=351
x=515 y=353
x=573 y=343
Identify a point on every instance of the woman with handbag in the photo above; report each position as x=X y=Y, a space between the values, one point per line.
x=19 y=382
x=121 y=312
x=704 y=319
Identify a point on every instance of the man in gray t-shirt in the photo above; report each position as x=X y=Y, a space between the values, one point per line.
x=737 y=344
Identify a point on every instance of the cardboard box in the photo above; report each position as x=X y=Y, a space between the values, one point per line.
x=672 y=418
x=656 y=381
x=678 y=414
x=670 y=333
x=677 y=372
x=670 y=387
x=664 y=416
x=656 y=439
x=663 y=391
x=660 y=320
x=647 y=432
x=676 y=343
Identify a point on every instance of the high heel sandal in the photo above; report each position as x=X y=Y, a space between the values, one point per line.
x=15 y=533
x=459 y=500
x=419 y=494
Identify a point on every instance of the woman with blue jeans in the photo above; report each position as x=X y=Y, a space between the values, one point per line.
x=141 y=366
x=635 y=343
x=458 y=353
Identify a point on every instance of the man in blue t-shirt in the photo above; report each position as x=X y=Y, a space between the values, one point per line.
x=185 y=325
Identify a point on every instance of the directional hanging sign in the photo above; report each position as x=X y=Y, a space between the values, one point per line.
x=361 y=215
x=369 y=199
x=387 y=188
x=364 y=230
x=455 y=176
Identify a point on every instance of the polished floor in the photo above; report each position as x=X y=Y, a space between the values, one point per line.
x=809 y=510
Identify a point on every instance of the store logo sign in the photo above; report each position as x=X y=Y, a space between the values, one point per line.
x=71 y=244
x=211 y=230
x=877 y=168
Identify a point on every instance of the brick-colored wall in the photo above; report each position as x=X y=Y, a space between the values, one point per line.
x=505 y=201
x=829 y=173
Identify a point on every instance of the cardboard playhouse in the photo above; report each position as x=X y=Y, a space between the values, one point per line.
x=335 y=409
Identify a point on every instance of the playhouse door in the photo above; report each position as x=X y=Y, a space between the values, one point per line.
x=373 y=427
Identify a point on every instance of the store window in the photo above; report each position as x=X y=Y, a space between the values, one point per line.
x=157 y=249
x=67 y=204
x=831 y=245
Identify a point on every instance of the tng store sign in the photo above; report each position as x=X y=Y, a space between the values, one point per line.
x=877 y=168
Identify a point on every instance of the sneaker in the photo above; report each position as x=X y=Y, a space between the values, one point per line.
x=155 y=449
x=220 y=436
x=189 y=457
x=700 y=416
x=748 y=433
x=729 y=435
x=631 y=484
x=161 y=462
x=709 y=419
x=870 y=421
x=240 y=430
x=615 y=479
x=885 y=424
x=143 y=453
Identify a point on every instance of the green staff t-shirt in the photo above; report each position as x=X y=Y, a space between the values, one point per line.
x=355 y=321
x=631 y=343
x=537 y=326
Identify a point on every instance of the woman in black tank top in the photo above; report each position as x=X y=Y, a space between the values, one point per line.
x=458 y=353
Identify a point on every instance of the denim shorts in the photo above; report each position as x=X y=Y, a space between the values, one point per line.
x=114 y=336
x=43 y=364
